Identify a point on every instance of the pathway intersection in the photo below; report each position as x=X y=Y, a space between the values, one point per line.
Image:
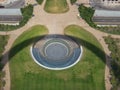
x=55 y=24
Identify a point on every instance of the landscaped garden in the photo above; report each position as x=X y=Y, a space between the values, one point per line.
x=88 y=74
x=87 y=13
x=3 y=42
x=56 y=6
x=114 y=47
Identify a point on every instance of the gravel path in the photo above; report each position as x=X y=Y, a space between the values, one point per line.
x=56 y=24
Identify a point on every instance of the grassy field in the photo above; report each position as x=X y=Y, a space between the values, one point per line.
x=91 y=68
x=3 y=42
x=88 y=74
x=56 y=6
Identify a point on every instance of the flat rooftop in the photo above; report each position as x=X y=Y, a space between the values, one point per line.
x=106 y=13
x=10 y=12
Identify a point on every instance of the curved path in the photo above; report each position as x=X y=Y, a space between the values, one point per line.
x=56 y=24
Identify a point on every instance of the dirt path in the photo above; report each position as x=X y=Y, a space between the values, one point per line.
x=55 y=24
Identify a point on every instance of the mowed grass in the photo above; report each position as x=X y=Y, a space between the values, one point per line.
x=91 y=67
x=88 y=74
x=3 y=42
x=56 y=6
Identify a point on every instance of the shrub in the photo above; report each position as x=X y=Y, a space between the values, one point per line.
x=87 y=13
x=27 y=14
x=110 y=29
x=73 y=1
x=39 y=1
x=113 y=45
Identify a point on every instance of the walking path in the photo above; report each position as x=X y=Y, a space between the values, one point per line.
x=55 y=24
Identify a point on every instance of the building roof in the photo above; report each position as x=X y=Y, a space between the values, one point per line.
x=10 y=18
x=106 y=13
x=10 y=12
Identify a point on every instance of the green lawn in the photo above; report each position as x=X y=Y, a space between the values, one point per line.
x=56 y=6
x=3 y=42
x=93 y=63
x=88 y=74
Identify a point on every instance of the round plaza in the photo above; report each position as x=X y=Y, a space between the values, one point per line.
x=56 y=52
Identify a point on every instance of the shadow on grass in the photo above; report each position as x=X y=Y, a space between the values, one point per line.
x=15 y=49
x=97 y=51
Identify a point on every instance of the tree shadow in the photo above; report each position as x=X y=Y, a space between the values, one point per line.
x=17 y=48
x=14 y=50
x=96 y=50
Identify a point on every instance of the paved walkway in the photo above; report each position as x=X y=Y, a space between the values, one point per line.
x=56 y=24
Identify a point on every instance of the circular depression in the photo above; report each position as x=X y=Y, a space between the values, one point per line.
x=56 y=52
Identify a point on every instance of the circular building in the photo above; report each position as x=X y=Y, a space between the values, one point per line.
x=56 y=52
